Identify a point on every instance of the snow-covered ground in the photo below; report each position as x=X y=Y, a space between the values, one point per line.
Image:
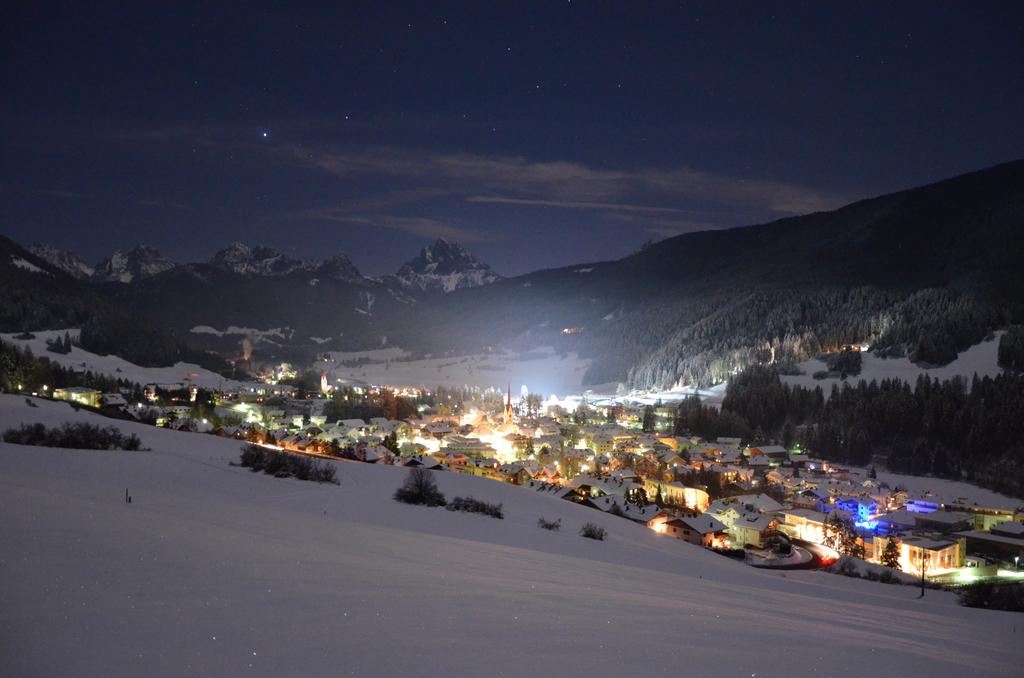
x=951 y=491
x=374 y=355
x=541 y=370
x=980 y=359
x=213 y=570
x=283 y=333
x=111 y=365
x=946 y=491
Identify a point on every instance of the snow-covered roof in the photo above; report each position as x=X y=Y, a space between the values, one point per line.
x=1010 y=529
x=703 y=523
x=754 y=521
x=760 y=502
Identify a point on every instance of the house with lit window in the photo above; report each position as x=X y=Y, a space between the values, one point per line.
x=702 y=530
x=774 y=453
x=678 y=494
x=813 y=498
x=752 y=529
x=937 y=553
x=862 y=508
x=803 y=523
x=81 y=395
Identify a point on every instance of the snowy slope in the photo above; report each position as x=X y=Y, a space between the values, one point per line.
x=81 y=360
x=259 y=260
x=65 y=260
x=980 y=359
x=541 y=370
x=445 y=266
x=213 y=570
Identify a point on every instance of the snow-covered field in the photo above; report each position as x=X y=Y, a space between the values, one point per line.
x=283 y=333
x=374 y=355
x=541 y=370
x=950 y=491
x=980 y=359
x=213 y=570
x=113 y=366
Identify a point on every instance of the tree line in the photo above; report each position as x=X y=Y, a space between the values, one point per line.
x=957 y=428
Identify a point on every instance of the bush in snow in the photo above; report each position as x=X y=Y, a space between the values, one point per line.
x=592 y=531
x=419 y=488
x=549 y=524
x=75 y=436
x=993 y=596
x=470 y=505
x=889 y=577
x=286 y=465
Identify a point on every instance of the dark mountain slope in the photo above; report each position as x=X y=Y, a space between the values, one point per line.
x=36 y=295
x=324 y=301
x=929 y=270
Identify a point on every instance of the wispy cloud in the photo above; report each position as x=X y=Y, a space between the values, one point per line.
x=567 y=185
x=419 y=226
x=415 y=190
x=575 y=204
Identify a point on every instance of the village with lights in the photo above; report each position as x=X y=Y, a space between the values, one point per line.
x=772 y=506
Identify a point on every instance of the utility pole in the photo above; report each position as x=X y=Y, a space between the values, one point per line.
x=924 y=568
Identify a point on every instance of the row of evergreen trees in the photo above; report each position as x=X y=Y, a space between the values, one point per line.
x=962 y=429
x=20 y=367
x=702 y=342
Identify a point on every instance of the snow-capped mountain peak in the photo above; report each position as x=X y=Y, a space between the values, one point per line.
x=256 y=261
x=139 y=262
x=339 y=267
x=65 y=260
x=445 y=266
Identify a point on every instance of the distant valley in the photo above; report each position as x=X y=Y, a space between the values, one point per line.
x=923 y=273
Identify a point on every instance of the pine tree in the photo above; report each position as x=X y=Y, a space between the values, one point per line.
x=649 y=422
x=891 y=554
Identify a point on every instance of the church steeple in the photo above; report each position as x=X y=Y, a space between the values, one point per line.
x=507 y=418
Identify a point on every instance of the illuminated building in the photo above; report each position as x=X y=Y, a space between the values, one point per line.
x=508 y=415
x=78 y=394
x=702 y=530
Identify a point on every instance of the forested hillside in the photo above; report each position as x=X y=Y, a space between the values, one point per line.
x=925 y=272
x=963 y=429
x=38 y=296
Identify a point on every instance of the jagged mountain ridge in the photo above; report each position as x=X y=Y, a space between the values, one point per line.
x=137 y=263
x=324 y=303
x=444 y=266
x=266 y=261
x=65 y=260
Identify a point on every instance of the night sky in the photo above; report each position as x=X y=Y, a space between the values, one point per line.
x=538 y=134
